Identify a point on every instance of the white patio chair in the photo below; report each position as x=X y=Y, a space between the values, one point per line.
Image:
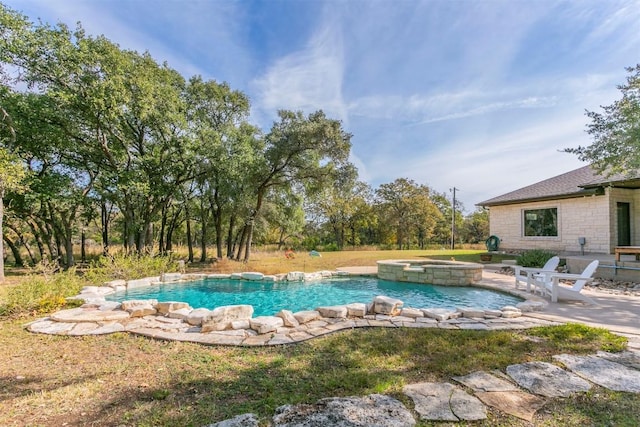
x=526 y=273
x=549 y=284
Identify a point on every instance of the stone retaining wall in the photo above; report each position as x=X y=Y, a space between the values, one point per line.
x=446 y=273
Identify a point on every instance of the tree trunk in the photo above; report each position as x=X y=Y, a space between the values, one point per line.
x=171 y=228
x=162 y=249
x=38 y=237
x=189 y=240
x=251 y=224
x=243 y=236
x=104 y=222
x=68 y=244
x=148 y=237
x=23 y=242
x=130 y=229
x=1 y=240
x=230 y=240
x=203 y=234
x=216 y=212
x=281 y=239
x=47 y=233
x=15 y=251
x=83 y=250
x=247 y=250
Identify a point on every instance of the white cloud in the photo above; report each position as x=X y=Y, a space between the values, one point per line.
x=485 y=166
x=480 y=95
x=308 y=80
x=186 y=35
x=619 y=24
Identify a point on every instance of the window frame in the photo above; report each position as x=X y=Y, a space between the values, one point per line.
x=523 y=222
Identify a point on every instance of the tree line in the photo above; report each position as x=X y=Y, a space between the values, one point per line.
x=103 y=142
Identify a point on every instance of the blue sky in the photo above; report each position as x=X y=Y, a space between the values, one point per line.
x=480 y=95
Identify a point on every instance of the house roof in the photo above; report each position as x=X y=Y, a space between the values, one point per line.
x=577 y=183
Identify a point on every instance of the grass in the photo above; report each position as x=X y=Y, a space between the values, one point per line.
x=275 y=262
x=121 y=379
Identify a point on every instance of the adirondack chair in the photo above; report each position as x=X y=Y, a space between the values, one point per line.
x=526 y=274
x=549 y=284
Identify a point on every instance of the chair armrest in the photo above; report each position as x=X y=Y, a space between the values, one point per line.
x=569 y=276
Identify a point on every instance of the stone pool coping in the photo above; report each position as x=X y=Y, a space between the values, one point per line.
x=234 y=325
x=434 y=272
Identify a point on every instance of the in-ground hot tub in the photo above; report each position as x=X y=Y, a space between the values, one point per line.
x=435 y=272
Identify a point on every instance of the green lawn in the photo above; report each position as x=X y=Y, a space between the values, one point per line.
x=121 y=379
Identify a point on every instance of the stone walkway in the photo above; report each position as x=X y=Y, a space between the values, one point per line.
x=520 y=392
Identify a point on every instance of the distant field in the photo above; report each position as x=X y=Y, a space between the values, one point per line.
x=275 y=262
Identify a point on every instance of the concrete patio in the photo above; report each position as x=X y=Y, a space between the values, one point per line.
x=617 y=313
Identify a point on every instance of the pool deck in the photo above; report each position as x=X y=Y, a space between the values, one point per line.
x=618 y=313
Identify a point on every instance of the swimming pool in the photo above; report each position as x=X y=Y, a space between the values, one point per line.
x=268 y=298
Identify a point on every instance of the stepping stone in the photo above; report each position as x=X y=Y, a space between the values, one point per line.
x=517 y=403
x=605 y=373
x=546 y=379
x=83 y=328
x=244 y=420
x=50 y=327
x=75 y=315
x=502 y=394
x=483 y=381
x=108 y=328
x=373 y=410
x=627 y=358
x=444 y=402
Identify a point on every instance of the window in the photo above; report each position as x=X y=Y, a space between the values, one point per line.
x=541 y=222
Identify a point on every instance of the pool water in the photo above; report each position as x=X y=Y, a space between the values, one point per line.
x=268 y=298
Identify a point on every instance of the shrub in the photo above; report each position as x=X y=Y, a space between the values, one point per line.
x=42 y=293
x=128 y=267
x=534 y=258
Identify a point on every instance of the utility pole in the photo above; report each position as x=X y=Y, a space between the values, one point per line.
x=453 y=219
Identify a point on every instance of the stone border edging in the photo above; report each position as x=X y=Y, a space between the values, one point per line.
x=234 y=325
x=433 y=272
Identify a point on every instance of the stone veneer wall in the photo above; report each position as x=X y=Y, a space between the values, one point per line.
x=587 y=217
x=447 y=273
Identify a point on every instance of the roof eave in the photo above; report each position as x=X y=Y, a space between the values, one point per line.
x=594 y=191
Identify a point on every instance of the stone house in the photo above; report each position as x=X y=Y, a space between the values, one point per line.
x=578 y=211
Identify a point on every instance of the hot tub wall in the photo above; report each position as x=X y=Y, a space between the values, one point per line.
x=444 y=273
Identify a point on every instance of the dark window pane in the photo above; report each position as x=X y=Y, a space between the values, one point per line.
x=541 y=222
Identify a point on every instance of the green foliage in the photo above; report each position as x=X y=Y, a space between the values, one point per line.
x=534 y=258
x=475 y=227
x=615 y=147
x=331 y=247
x=575 y=337
x=128 y=267
x=42 y=293
x=407 y=207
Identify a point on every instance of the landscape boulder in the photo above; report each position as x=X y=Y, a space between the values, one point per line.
x=288 y=318
x=306 y=316
x=335 y=311
x=221 y=318
x=166 y=307
x=196 y=316
x=387 y=305
x=357 y=309
x=266 y=324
